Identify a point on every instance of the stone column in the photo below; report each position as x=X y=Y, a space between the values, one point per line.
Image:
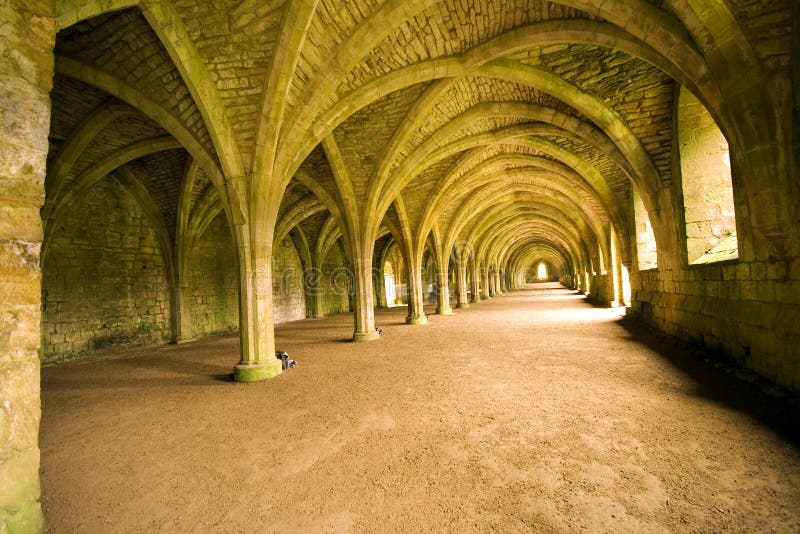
x=176 y=320
x=486 y=289
x=476 y=282
x=416 y=312
x=443 y=295
x=256 y=321
x=503 y=283
x=461 y=273
x=183 y=321
x=363 y=303
x=26 y=73
x=182 y=291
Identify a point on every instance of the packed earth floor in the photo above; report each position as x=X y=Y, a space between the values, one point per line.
x=533 y=411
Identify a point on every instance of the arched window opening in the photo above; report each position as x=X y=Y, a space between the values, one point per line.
x=395 y=290
x=541 y=272
x=388 y=283
x=645 y=238
x=707 y=186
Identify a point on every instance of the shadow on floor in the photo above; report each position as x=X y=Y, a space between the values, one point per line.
x=184 y=370
x=723 y=382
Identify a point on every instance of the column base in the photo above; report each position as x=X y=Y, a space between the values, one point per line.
x=360 y=337
x=245 y=372
x=445 y=311
x=419 y=319
x=463 y=305
x=475 y=300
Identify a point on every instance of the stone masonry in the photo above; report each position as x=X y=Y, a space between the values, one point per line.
x=212 y=167
x=26 y=69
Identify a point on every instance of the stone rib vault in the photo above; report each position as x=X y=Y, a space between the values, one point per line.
x=174 y=169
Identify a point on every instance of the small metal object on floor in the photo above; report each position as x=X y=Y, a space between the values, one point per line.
x=284 y=358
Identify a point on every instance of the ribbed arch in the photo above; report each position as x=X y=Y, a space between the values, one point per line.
x=498 y=249
x=522 y=196
x=505 y=225
x=523 y=233
x=539 y=169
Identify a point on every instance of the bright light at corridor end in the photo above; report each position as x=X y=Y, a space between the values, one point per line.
x=542 y=271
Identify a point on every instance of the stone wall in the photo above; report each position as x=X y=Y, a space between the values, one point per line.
x=26 y=73
x=211 y=293
x=747 y=311
x=104 y=278
x=334 y=284
x=105 y=282
x=288 y=295
x=601 y=290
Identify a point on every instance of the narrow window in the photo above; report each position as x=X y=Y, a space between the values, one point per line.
x=645 y=238
x=707 y=187
x=626 y=286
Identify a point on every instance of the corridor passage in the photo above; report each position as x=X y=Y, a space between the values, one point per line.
x=533 y=411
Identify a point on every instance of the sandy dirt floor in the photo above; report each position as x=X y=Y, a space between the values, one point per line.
x=530 y=412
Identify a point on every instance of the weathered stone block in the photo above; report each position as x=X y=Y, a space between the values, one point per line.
x=19 y=479
x=22 y=415
x=787 y=292
x=777 y=271
x=743 y=271
x=794 y=269
x=748 y=290
x=758 y=271
x=25 y=519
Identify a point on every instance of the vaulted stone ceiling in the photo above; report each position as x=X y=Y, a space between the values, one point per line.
x=520 y=127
